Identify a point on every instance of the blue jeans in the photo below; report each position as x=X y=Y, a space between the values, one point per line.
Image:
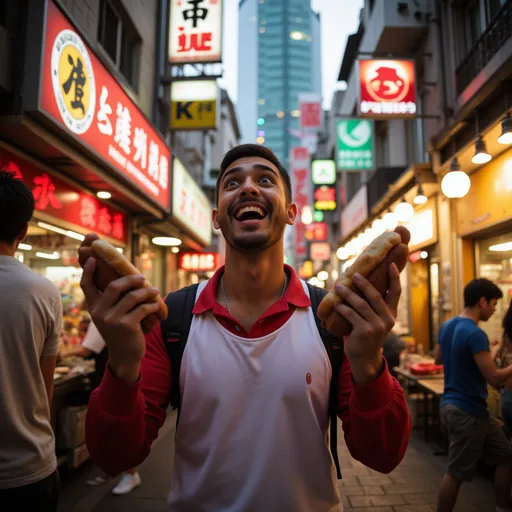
x=506 y=410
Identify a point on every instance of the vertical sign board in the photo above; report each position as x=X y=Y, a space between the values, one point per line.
x=81 y=96
x=387 y=89
x=299 y=165
x=195 y=31
x=355 y=144
x=310 y=105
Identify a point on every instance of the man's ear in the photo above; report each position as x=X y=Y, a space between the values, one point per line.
x=215 y=218
x=23 y=234
x=291 y=214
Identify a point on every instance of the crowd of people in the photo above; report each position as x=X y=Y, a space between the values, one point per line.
x=251 y=371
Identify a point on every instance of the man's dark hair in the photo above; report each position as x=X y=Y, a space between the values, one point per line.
x=478 y=289
x=16 y=206
x=248 y=150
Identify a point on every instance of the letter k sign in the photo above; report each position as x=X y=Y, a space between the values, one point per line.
x=183 y=110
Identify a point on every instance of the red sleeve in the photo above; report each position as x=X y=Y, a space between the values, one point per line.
x=123 y=420
x=376 y=419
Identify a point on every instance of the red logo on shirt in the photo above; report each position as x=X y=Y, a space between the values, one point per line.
x=308 y=378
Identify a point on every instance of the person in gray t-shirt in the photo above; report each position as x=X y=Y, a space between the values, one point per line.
x=30 y=323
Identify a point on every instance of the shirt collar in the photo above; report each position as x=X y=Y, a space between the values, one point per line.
x=294 y=293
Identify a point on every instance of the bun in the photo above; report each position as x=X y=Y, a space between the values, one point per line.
x=373 y=263
x=120 y=264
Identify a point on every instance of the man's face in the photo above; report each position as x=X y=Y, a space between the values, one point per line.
x=252 y=210
x=487 y=308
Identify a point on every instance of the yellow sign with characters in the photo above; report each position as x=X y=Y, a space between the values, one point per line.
x=194 y=105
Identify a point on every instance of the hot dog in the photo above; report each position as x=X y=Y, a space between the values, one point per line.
x=110 y=265
x=386 y=249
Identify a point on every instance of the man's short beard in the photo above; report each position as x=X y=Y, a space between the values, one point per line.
x=259 y=243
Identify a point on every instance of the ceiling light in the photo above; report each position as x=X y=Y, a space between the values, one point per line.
x=166 y=241
x=48 y=256
x=506 y=130
x=25 y=247
x=66 y=232
x=404 y=211
x=481 y=156
x=175 y=250
x=456 y=183
x=507 y=246
x=296 y=35
x=420 y=198
x=323 y=275
x=103 y=194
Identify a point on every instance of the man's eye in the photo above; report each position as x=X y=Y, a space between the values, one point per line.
x=266 y=180
x=231 y=183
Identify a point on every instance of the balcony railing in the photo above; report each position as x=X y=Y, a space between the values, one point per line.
x=486 y=47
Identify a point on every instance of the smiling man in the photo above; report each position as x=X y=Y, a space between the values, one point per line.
x=255 y=375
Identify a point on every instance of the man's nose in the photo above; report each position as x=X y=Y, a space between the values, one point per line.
x=249 y=188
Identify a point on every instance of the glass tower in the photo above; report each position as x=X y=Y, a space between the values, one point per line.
x=279 y=58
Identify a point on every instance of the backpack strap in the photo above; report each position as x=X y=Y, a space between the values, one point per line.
x=334 y=348
x=175 y=329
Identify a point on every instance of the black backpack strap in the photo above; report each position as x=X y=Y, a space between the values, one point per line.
x=175 y=329
x=334 y=348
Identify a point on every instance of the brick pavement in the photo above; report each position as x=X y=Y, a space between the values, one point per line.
x=412 y=487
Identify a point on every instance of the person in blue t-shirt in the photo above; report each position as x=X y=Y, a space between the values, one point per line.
x=463 y=348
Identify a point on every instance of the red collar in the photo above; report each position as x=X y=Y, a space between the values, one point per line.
x=294 y=293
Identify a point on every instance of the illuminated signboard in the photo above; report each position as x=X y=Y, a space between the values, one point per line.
x=199 y=261
x=323 y=172
x=387 y=88
x=325 y=198
x=355 y=144
x=320 y=251
x=194 y=105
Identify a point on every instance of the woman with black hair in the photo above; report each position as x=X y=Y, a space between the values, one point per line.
x=503 y=359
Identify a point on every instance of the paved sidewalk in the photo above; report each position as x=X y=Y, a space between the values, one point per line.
x=412 y=487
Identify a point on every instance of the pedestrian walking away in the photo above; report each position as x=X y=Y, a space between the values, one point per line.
x=256 y=373
x=30 y=323
x=464 y=350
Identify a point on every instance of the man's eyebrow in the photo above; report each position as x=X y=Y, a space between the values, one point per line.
x=259 y=167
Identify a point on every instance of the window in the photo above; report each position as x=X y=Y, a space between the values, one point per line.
x=120 y=40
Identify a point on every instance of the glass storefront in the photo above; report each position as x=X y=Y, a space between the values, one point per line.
x=494 y=262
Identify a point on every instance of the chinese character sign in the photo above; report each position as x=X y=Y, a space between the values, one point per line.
x=57 y=199
x=195 y=31
x=301 y=180
x=387 y=89
x=355 y=144
x=80 y=94
x=199 y=261
x=310 y=105
x=190 y=206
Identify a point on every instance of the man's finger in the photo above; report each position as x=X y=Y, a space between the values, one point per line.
x=142 y=311
x=87 y=283
x=349 y=314
x=395 y=289
x=133 y=299
x=117 y=288
x=359 y=304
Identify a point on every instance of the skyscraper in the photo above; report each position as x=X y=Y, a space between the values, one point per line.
x=279 y=58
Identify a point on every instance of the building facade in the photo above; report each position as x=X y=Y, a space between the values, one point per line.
x=279 y=58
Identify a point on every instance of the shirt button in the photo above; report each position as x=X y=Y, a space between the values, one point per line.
x=237 y=328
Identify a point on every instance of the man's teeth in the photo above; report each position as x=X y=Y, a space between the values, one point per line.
x=246 y=209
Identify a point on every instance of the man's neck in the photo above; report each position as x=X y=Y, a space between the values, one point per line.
x=7 y=249
x=471 y=314
x=254 y=278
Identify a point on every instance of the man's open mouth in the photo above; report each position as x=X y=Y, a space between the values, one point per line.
x=252 y=212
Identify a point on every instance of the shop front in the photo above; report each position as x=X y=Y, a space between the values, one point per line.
x=484 y=231
x=94 y=164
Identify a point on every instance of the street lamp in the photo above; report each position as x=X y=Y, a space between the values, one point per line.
x=404 y=211
x=481 y=155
